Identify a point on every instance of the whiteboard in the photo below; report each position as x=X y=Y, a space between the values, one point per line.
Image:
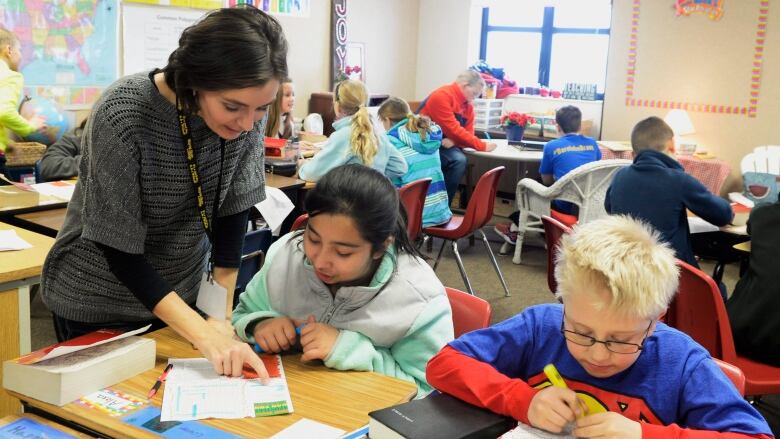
x=151 y=33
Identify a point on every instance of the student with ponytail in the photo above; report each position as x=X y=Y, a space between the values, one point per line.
x=352 y=280
x=355 y=140
x=418 y=140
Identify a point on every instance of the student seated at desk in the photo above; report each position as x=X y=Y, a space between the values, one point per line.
x=753 y=306
x=11 y=86
x=418 y=139
x=62 y=158
x=632 y=376
x=560 y=157
x=280 y=124
x=355 y=140
x=656 y=189
x=358 y=289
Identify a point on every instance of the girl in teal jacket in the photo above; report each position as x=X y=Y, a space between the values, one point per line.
x=418 y=140
x=352 y=284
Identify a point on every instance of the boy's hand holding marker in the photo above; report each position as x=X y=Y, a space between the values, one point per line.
x=554 y=407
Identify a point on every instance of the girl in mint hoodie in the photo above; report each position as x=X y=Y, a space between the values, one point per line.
x=351 y=283
x=418 y=140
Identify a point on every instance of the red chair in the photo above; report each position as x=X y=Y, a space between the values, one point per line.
x=553 y=232
x=698 y=310
x=413 y=198
x=478 y=212
x=733 y=373
x=468 y=312
x=300 y=222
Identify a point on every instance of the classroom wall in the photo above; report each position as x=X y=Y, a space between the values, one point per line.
x=308 y=59
x=388 y=31
x=695 y=58
x=447 y=41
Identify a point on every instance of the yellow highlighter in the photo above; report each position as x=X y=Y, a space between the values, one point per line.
x=557 y=380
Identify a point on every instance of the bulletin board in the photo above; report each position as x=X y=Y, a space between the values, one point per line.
x=683 y=64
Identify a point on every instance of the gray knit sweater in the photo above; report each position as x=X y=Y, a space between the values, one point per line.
x=135 y=194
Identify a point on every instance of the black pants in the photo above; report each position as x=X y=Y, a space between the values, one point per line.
x=67 y=329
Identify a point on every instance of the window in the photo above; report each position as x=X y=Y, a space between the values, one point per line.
x=550 y=42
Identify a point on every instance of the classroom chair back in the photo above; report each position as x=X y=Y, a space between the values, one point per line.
x=585 y=186
x=699 y=311
x=413 y=198
x=733 y=373
x=553 y=232
x=469 y=312
x=478 y=212
x=256 y=244
x=300 y=222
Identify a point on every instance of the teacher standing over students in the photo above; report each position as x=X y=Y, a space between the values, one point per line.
x=135 y=244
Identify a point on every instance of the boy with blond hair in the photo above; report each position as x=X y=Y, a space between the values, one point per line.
x=656 y=189
x=628 y=375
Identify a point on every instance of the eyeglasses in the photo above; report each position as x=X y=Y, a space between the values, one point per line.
x=617 y=347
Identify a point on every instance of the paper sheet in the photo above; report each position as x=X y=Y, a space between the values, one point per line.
x=57 y=189
x=308 y=428
x=274 y=208
x=523 y=431
x=194 y=391
x=212 y=298
x=9 y=240
x=698 y=225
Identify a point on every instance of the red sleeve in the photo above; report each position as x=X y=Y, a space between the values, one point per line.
x=479 y=384
x=441 y=109
x=674 y=431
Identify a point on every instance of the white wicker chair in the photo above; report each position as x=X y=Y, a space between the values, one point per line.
x=586 y=186
x=762 y=159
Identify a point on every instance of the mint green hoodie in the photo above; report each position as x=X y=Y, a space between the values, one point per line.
x=392 y=326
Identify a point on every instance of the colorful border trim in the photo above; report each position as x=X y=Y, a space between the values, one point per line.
x=755 y=78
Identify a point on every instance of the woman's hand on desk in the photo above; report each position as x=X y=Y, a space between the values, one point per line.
x=317 y=339
x=276 y=334
x=229 y=355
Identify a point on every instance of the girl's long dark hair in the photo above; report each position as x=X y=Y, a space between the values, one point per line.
x=229 y=48
x=369 y=198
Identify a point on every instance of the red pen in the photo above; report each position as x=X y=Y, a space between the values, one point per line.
x=158 y=383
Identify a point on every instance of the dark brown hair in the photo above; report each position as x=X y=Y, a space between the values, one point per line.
x=229 y=48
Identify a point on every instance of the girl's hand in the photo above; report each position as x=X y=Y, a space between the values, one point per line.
x=228 y=355
x=608 y=425
x=552 y=408
x=317 y=339
x=276 y=334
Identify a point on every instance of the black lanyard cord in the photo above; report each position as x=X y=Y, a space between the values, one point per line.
x=192 y=164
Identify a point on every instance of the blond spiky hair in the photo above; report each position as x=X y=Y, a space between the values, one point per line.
x=624 y=255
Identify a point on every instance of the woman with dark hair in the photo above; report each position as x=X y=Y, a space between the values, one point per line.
x=351 y=284
x=170 y=167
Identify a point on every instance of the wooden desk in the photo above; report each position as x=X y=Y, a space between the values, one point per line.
x=19 y=270
x=45 y=222
x=42 y=202
x=338 y=398
x=283 y=183
x=11 y=418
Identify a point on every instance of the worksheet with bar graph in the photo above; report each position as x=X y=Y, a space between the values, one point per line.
x=194 y=391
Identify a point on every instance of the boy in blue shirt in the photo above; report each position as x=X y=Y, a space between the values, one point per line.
x=560 y=157
x=628 y=375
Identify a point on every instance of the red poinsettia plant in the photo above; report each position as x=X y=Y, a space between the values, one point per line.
x=348 y=73
x=515 y=118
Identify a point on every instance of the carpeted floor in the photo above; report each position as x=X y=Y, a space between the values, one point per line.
x=527 y=285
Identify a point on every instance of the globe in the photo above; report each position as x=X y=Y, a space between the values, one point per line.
x=56 y=122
